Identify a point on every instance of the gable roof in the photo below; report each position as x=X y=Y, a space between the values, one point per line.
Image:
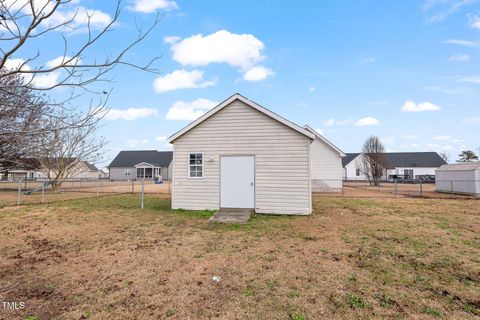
x=349 y=158
x=323 y=139
x=414 y=159
x=90 y=166
x=248 y=102
x=463 y=166
x=133 y=157
x=405 y=159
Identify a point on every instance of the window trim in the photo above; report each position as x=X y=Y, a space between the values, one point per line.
x=188 y=165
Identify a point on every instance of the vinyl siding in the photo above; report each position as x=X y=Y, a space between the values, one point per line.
x=119 y=173
x=326 y=168
x=282 y=184
x=458 y=181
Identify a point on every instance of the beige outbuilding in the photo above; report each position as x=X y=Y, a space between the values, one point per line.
x=242 y=155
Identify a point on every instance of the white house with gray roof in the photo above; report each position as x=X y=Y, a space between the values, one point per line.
x=139 y=164
x=400 y=165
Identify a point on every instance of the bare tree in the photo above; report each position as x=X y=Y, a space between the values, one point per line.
x=23 y=121
x=23 y=23
x=67 y=148
x=373 y=161
x=445 y=156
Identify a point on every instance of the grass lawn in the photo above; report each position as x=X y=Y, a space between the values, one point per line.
x=103 y=258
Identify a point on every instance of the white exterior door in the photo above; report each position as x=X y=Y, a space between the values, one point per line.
x=237 y=182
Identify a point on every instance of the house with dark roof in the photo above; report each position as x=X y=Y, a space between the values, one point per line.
x=400 y=165
x=139 y=164
x=32 y=169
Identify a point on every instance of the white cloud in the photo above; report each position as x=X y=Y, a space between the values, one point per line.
x=161 y=138
x=80 y=17
x=14 y=64
x=332 y=122
x=473 y=120
x=368 y=60
x=410 y=136
x=438 y=10
x=149 y=6
x=243 y=51
x=311 y=89
x=181 y=79
x=238 y=50
x=475 y=21
x=411 y=106
x=171 y=39
x=367 y=121
x=438 y=147
x=181 y=110
x=448 y=90
x=132 y=143
x=459 y=58
x=320 y=131
x=471 y=79
x=461 y=42
x=258 y=74
x=130 y=113
x=47 y=80
x=441 y=138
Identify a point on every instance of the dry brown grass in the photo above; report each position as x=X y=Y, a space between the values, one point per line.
x=76 y=190
x=353 y=258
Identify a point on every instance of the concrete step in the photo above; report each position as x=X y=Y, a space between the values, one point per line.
x=232 y=215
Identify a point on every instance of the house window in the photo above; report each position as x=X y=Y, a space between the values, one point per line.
x=195 y=165
x=127 y=172
x=408 y=174
x=357 y=172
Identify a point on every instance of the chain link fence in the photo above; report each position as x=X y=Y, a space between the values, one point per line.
x=440 y=189
x=32 y=192
x=22 y=192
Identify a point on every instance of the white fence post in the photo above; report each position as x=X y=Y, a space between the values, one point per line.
x=19 y=190
x=143 y=183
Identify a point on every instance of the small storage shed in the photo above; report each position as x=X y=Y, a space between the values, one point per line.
x=459 y=178
x=242 y=155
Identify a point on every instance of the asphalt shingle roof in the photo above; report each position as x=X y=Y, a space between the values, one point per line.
x=348 y=158
x=405 y=159
x=131 y=158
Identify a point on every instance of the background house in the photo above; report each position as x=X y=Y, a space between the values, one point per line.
x=403 y=165
x=139 y=164
x=33 y=170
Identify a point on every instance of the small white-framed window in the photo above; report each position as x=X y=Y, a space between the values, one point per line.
x=195 y=165
x=357 y=172
x=127 y=172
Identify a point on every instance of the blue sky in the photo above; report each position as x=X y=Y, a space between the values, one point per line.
x=407 y=71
